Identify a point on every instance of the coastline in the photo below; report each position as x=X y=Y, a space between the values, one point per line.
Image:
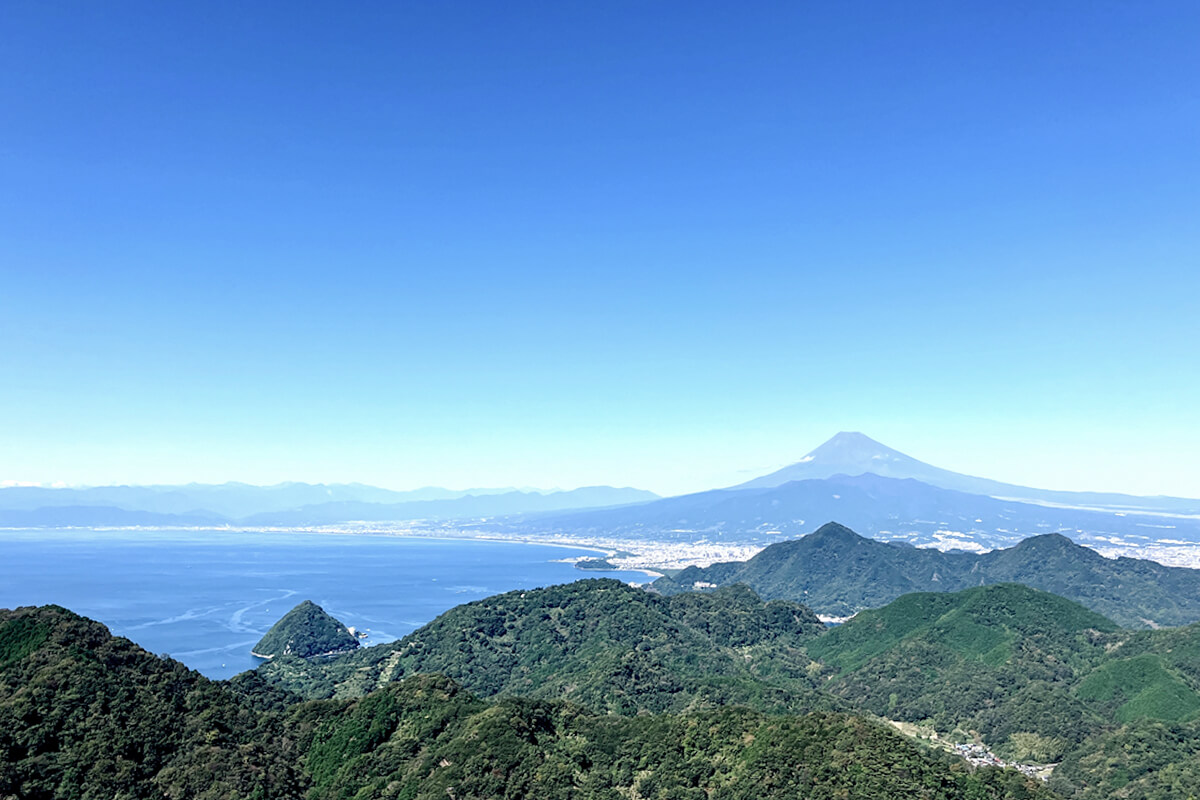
x=651 y=558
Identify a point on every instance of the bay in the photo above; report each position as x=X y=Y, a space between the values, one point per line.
x=206 y=597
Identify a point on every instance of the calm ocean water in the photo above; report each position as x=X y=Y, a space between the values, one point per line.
x=205 y=598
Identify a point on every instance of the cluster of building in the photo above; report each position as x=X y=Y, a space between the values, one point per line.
x=980 y=756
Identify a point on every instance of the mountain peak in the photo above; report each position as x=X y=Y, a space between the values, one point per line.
x=851 y=436
x=853 y=453
x=846 y=453
x=851 y=443
x=833 y=532
x=1047 y=543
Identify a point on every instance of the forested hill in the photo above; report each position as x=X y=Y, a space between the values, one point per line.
x=424 y=738
x=1035 y=676
x=86 y=715
x=1038 y=677
x=305 y=631
x=835 y=571
x=1003 y=660
x=598 y=642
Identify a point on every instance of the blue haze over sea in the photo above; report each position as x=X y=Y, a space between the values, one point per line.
x=206 y=597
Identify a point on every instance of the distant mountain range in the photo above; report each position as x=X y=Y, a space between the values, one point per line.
x=885 y=494
x=285 y=504
x=851 y=478
x=884 y=508
x=836 y=572
x=231 y=500
x=466 y=507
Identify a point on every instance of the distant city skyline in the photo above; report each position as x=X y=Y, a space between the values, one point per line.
x=557 y=246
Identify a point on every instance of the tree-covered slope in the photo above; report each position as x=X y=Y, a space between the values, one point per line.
x=998 y=660
x=981 y=624
x=1034 y=674
x=424 y=738
x=1134 y=592
x=832 y=570
x=600 y=643
x=1144 y=760
x=305 y=631
x=1148 y=675
x=837 y=572
x=86 y=715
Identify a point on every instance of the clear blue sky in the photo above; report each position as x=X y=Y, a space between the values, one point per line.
x=661 y=244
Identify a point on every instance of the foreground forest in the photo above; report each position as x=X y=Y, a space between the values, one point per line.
x=1034 y=677
x=599 y=689
x=87 y=715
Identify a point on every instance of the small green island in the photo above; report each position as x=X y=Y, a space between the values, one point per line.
x=596 y=565
x=306 y=631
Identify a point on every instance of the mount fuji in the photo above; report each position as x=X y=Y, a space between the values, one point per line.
x=852 y=453
x=885 y=494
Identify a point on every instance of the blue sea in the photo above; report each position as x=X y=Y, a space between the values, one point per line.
x=206 y=597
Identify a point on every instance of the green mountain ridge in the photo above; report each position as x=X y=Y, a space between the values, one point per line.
x=87 y=715
x=1035 y=676
x=84 y=714
x=1146 y=760
x=978 y=624
x=424 y=737
x=836 y=572
x=599 y=689
x=997 y=660
x=598 y=642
